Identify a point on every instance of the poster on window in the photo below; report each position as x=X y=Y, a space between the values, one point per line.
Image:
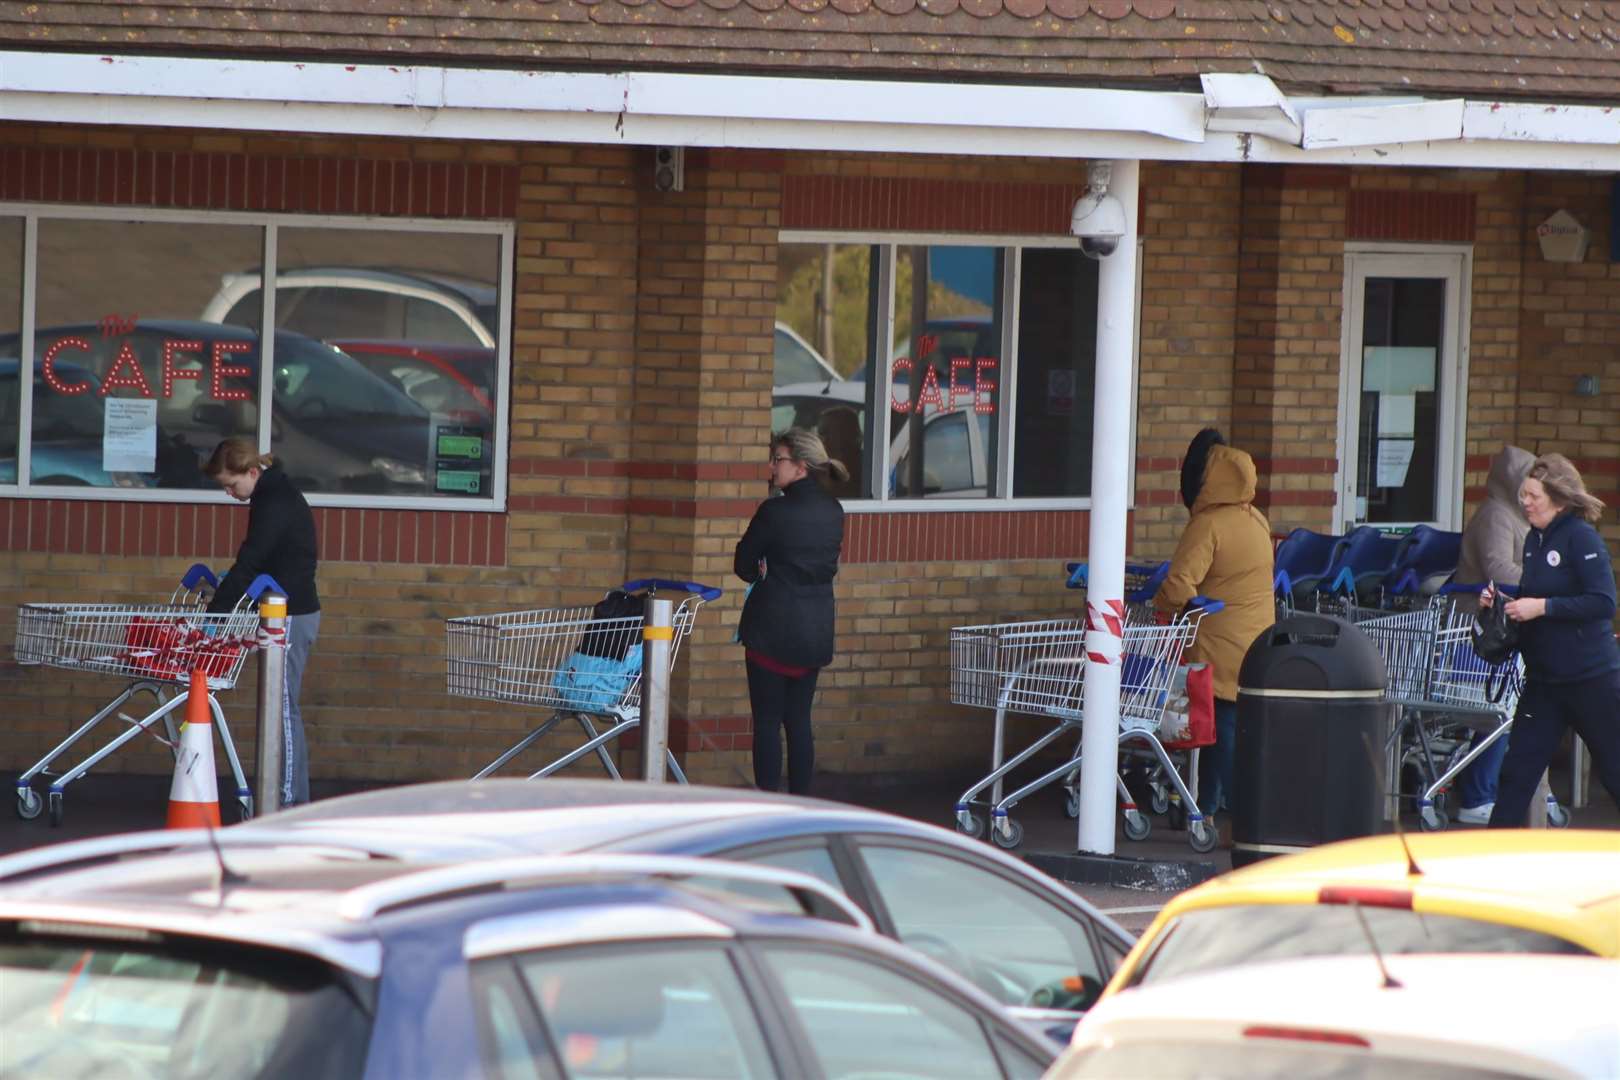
x=1060 y=383
x=1394 y=456
x=129 y=435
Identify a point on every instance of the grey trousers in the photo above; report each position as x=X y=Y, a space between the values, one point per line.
x=301 y=633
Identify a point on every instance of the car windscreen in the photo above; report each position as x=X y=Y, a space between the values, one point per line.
x=1189 y=1059
x=1213 y=938
x=175 y=1009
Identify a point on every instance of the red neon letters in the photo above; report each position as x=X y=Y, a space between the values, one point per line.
x=126 y=368
x=981 y=394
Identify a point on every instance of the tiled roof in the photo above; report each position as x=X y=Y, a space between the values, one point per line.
x=1545 y=49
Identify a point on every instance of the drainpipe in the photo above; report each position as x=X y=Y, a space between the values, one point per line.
x=1110 y=499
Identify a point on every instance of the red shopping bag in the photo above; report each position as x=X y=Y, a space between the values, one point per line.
x=1200 y=723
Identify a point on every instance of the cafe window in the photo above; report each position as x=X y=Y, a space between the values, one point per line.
x=926 y=380
x=381 y=381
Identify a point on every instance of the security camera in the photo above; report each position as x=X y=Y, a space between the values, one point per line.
x=669 y=168
x=1098 y=218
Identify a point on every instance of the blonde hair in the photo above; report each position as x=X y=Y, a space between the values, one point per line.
x=236 y=456
x=1563 y=484
x=807 y=449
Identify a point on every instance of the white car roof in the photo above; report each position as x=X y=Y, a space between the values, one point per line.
x=1535 y=1015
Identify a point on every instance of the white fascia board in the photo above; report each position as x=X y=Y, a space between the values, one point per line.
x=1251 y=105
x=1381 y=125
x=1586 y=124
x=528 y=96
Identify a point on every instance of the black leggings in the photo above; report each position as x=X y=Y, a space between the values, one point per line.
x=780 y=701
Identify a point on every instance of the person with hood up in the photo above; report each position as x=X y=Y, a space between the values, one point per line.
x=1224 y=554
x=1491 y=545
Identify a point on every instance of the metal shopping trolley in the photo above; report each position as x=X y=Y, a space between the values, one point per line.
x=1039 y=668
x=570 y=661
x=1446 y=693
x=154 y=648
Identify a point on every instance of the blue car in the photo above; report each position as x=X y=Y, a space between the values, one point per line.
x=263 y=953
x=1021 y=937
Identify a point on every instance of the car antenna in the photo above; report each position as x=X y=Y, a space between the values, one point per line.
x=1412 y=867
x=1390 y=981
x=227 y=876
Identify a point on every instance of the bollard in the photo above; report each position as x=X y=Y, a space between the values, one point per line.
x=657 y=635
x=270 y=754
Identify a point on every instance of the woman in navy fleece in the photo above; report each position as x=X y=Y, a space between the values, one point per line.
x=1565 y=613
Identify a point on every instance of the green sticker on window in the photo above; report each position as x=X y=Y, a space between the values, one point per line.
x=458 y=481
x=461 y=446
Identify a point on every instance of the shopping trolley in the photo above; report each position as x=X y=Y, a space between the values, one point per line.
x=1039 y=667
x=154 y=648
x=566 y=660
x=1446 y=692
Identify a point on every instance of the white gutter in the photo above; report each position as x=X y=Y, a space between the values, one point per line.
x=944 y=119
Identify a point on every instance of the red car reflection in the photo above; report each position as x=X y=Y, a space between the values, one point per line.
x=456 y=381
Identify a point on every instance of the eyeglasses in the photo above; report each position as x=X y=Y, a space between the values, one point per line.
x=780 y=460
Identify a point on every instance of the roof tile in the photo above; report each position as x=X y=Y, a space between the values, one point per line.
x=1024 y=9
x=1111 y=9
x=1066 y=9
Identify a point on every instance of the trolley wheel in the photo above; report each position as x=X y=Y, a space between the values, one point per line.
x=54 y=798
x=1201 y=836
x=970 y=824
x=1008 y=835
x=1071 y=803
x=29 y=804
x=1557 y=816
x=1432 y=819
x=1137 y=825
x=244 y=808
x=1161 y=799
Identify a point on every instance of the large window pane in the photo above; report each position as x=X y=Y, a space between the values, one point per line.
x=401 y=398
x=1401 y=332
x=945 y=369
x=132 y=387
x=824 y=367
x=11 y=266
x=1057 y=353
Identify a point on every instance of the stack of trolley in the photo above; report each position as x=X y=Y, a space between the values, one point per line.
x=545 y=658
x=1038 y=667
x=153 y=648
x=1446 y=692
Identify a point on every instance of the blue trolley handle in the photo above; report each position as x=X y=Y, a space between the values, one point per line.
x=262 y=584
x=198 y=574
x=1206 y=605
x=707 y=592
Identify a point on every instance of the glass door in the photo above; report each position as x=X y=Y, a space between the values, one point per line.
x=1402 y=382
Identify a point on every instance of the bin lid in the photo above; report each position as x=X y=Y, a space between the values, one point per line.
x=1312 y=652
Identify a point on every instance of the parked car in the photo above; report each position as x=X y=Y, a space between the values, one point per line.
x=66 y=435
x=1519 y=891
x=1023 y=938
x=1437 y=1017
x=796 y=360
x=266 y=953
x=327 y=302
x=452 y=380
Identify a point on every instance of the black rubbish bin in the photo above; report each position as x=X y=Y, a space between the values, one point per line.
x=1311 y=731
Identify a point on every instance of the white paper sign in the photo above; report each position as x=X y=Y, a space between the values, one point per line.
x=129 y=439
x=1397 y=414
x=1394 y=455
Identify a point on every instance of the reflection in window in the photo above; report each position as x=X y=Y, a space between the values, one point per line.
x=11 y=269
x=824 y=374
x=1057 y=352
x=1396 y=468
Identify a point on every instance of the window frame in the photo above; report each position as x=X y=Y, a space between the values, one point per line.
x=270 y=224
x=999 y=497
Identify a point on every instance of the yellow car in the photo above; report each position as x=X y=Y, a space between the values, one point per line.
x=1490 y=891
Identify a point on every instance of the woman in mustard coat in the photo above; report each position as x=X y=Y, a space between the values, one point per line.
x=1225 y=555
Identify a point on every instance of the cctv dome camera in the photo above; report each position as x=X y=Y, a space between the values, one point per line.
x=1098 y=219
x=1098 y=247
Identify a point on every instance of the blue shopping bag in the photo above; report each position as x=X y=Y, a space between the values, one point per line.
x=595 y=684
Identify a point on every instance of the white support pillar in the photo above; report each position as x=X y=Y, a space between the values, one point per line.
x=1110 y=500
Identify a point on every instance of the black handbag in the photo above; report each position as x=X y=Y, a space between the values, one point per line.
x=1495 y=637
x=614 y=634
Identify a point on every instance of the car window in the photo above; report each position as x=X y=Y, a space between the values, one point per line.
x=795 y=363
x=1018 y=1062
x=430 y=386
x=1019 y=948
x=429 y=321
x=677 y=1013
x=864 y=1020
x=317 y=382
x=115 y=1011
x=947 y=457
x=511 y=1051
x=813 y=859
x=1214 y=938
x=1185 y=1059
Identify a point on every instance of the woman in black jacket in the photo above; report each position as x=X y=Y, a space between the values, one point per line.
x=789 y=555
x=1565 y=614
x=280 y=542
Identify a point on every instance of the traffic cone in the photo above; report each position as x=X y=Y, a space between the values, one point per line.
x=194 y=796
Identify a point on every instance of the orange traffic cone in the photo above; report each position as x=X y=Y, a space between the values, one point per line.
x=194 y=797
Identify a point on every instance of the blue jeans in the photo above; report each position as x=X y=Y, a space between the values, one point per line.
x=301 y=633
x=1477 y=785
x=1215 y=762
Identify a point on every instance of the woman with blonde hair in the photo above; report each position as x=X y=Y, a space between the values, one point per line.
x=789 y=555
x=280 y=542
x=1565 y=615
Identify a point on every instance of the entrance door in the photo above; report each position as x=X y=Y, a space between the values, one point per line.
x=1401 y=387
